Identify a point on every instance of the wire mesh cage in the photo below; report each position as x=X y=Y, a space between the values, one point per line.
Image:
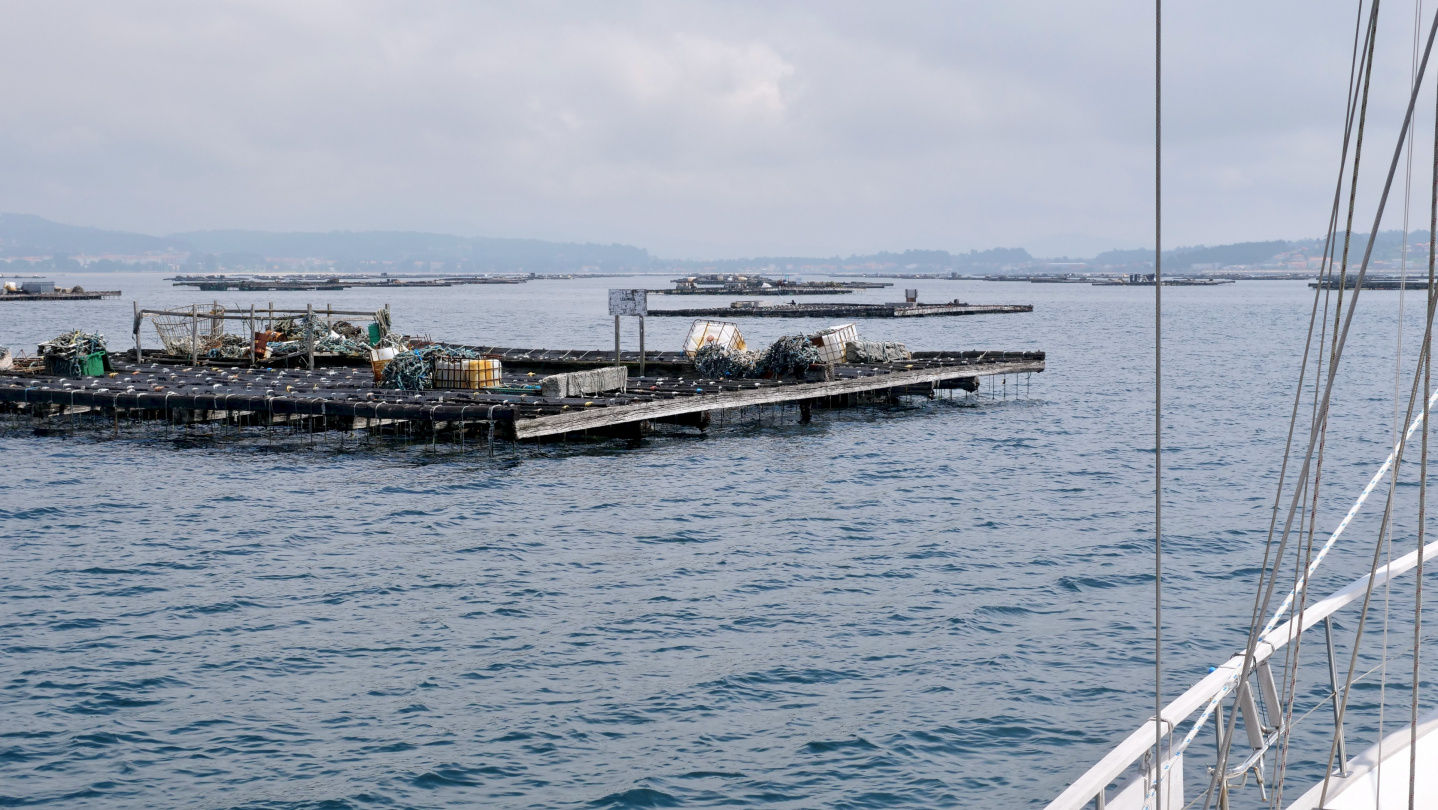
x=178 y=330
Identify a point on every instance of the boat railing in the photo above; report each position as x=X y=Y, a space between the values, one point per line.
x=1093 y=787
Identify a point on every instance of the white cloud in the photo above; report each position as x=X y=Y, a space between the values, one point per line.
x=704 y=127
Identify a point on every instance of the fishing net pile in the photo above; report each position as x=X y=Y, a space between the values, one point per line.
x=341 y=344
x=301 y=327
x=343 y=338
x=791 y=354
x=414 y=370
x=389 y=340
x=439 y=351
x=716 y=362
x=407 y=372
x=66 y=354
x=229 y=347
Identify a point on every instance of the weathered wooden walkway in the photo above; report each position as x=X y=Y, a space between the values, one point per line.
x=840 y=310
x=95 y=295
x=347 y=399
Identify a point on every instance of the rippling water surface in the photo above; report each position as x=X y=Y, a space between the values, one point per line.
x=944 y=604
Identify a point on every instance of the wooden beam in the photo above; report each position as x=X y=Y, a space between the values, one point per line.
x=592 y=418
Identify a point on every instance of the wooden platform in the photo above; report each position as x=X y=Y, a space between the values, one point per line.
x=346 y=398
x=748 y=291
x=54 y=296
x=1373 y=283
x=838 y=310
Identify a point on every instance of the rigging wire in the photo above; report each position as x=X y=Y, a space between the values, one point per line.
x=1387 y=541
x=1158 y=761
x=1263 y=596
x=1367 y=256
x=1426 y=352
x=1341 y=338
x=1325 y=289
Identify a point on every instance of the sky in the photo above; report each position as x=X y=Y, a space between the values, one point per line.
x=693 y=129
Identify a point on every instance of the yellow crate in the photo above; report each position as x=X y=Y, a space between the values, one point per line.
x=468 y=374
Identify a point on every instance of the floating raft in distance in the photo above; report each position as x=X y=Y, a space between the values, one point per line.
x=240 y=283
x=1168 y=282
x=347 y=399
x=59 y=296
x=307 y=286
x=1372 y=283
x=744 y=309
x=756 y=291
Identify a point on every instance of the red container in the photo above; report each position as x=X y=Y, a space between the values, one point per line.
x=262 y=339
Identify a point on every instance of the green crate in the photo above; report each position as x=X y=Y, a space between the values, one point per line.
x=92 y=365
x=95 y=365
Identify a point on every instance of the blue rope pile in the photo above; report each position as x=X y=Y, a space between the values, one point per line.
x=408 y=372
x=440 y=351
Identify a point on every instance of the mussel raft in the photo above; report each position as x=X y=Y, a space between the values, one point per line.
x=345 y=397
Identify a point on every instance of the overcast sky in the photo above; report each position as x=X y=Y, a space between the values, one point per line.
x=694 y=129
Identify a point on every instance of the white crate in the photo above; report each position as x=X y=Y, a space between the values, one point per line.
x=830 y=342
x=724 y=333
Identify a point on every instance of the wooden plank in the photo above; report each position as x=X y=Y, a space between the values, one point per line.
x=590 y=419
x=364 y=422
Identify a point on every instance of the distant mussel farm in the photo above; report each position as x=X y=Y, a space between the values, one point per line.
x=350 y=377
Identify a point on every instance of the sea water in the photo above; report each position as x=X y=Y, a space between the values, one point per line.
x=939 y=603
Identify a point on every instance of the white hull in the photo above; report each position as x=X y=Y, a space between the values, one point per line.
x=1378 y=778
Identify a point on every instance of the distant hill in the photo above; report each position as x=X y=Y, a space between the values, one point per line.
x=1387 y=248
x=398 y=246
x=29 y=235
x=1184 y=258
x=913 y=260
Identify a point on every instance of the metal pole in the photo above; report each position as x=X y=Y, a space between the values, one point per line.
x=616 y=341
x=641 y=345
x=137 y=332
x=252 y=335
x=194 y=335
x=271 y=323
x=310 y=334
x=1333 y=682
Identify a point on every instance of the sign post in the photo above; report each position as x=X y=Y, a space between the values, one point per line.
x=629 y=302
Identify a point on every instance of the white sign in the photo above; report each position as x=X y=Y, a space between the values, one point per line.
x=628 y=302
